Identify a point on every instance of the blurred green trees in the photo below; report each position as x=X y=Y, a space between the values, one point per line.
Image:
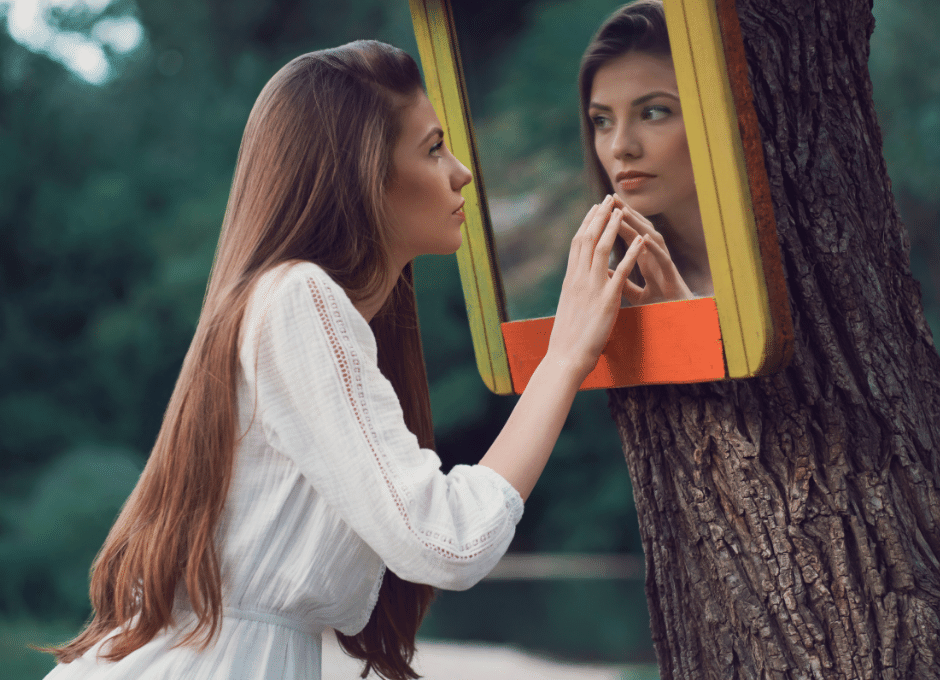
x=52 y=536
x=111 y=198
x=905 y=72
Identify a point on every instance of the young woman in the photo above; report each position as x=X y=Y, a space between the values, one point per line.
x=294 y=463
x=635 y=146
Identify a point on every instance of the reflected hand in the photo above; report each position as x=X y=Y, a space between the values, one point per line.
x=663 y=280
x=590 y=294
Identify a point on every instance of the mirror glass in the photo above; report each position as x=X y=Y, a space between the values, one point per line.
x=521 y=68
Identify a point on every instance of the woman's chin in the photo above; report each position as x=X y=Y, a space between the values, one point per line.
x=641 y=206
x=450 y=247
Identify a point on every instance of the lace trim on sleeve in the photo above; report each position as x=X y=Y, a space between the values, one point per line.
x=350 y=373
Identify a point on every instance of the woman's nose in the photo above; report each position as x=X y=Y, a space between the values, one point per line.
x=626 y=144
x=461 y=176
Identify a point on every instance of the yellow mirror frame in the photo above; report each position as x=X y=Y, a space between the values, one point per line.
x=745 y=329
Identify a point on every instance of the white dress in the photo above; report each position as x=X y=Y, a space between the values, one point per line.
x=329 y=487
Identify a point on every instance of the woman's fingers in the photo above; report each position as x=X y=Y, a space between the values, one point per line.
x=574 y=255
x=659 y=253
x=660 y=271
x=592 y=234
x=587 y=219
x=589 y=300
x=642 y=225
x=627 y=263
x=633 y=293
x=627 y=232
x=606 y=241
x=627 y=208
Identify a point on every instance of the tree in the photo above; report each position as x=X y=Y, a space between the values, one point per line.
x=791 y=523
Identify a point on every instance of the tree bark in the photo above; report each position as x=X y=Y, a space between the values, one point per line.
x=791 y=523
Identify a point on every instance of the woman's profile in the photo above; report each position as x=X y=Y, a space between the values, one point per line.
x=293 y=485
x=635 y=146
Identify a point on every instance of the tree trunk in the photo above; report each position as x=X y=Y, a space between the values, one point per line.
x=791 y=524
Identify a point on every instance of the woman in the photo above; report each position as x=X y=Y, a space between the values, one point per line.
x=294 y=459
x=635 y=146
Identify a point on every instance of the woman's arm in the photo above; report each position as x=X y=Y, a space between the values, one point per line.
x=310 y=364
x=587 y=309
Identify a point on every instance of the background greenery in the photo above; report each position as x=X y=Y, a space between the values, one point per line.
x=111 y=197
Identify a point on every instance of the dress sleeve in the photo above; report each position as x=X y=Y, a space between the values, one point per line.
x=325 y=404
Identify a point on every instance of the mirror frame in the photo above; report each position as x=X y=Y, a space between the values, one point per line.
x=745 y=330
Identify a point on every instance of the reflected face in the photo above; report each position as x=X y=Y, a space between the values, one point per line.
x=639 y=135
x=423 y=195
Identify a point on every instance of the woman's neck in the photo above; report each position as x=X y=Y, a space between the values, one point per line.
x=371 y=305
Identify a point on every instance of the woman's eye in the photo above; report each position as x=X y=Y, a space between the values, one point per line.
x=600 y=122
x=657 y=112
x=437 y=147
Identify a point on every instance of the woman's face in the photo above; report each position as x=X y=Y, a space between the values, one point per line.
x=424 y=191
x=639 y=135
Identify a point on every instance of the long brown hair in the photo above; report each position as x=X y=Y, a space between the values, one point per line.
x=309 y=184
x=637 y=27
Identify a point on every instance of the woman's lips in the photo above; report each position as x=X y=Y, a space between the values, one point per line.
x=630 y=181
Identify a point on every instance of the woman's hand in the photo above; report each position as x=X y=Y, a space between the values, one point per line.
x=587 y=309
x=590 y=294
x=663 y=281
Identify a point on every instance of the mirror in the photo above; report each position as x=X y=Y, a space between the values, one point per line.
x=676 y=138
x=527 y=120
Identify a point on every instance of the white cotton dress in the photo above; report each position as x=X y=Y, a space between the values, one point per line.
x=329 y=487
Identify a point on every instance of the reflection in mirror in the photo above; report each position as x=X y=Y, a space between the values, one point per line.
x=525 y=104
x=635 y=146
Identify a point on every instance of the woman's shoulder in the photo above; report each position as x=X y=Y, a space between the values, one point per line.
x=298 y=282
x=294 y=274
x=303 y=288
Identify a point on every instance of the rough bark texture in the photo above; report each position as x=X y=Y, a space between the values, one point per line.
x=791 y=523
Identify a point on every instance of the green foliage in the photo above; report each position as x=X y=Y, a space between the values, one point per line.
x=907 y=92
x=594 y=621
x=17 y=660
x=905 y=72
x=49 y=540
x=527 y=90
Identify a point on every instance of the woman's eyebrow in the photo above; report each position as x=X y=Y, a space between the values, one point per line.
x=636 y=102
x=652 y=95
x=436 y=131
